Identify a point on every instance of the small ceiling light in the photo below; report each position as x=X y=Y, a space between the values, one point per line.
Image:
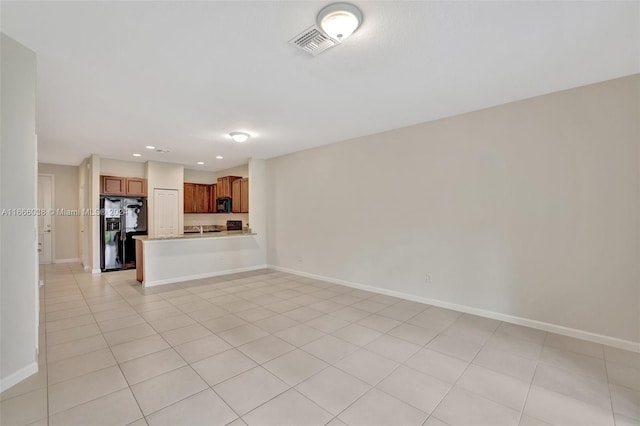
x=150 y=147
x=339 y=20
x=137 y=155
x=200 y=163
x=239 y=136
x=219 y=157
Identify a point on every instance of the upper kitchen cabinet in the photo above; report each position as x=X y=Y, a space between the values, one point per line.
x=212 y=201
x=203 y=198
x=189 y=197
x=240 y=195
x=117 y=185
x=197 y=198
x=244 y=196
x=112 y=185
x=225 y=185
x=136 y=186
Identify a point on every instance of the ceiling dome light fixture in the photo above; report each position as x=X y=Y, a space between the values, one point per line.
x=239 y=136
x=339 y=20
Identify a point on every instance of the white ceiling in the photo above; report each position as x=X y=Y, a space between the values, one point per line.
x=116 y=76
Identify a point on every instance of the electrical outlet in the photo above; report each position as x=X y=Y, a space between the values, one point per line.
x=427 y=278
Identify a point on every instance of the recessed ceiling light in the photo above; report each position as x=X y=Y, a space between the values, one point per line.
x=239 y=136
x=339 y=20
x=137 y=155
x=200 y=163
x=219 y=157
x=150 y=147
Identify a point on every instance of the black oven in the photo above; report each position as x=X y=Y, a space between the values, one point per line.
x=223 y=205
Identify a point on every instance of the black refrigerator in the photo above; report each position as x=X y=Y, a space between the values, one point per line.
x=120 y=219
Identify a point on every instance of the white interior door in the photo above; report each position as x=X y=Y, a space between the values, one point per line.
x=45 y=221
x=165 y=212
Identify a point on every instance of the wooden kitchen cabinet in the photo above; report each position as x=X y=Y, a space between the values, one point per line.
x=213 y=205
x=244 y=196
x=203 y=198
x=189 y=197
x=113 y=185
x=236 y=196
x=240 y=196
x=197 y=198
x=225 y=185
x=136 y=186
x=117 y=185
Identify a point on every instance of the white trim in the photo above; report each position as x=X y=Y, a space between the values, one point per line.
x=95 y=271
x=539 y=325
x=53 y=206
x=70 y=260
x=200 y=276
x=18 y=376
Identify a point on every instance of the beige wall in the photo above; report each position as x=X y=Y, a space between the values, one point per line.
x=18 y=259
x=529 y=209
x=164 y=176
x=66 y=228
x=207 y=177
x=109 y=167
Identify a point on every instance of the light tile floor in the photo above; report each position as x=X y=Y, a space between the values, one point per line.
x=269 y=348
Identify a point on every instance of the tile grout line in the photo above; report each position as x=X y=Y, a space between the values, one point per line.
x=110 y=350
x=400 y=364
x=258 y=365
x=464 y=371
x=606 y=373
x=119 y=290
x=187 y=364
x=533 y=377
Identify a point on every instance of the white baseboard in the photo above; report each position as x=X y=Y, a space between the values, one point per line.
x=539 y=325
x=71 y=260
x=96 y=271
x=201 y=276
x=18 y=376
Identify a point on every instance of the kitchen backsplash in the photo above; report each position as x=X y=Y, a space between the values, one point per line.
x=214 y=219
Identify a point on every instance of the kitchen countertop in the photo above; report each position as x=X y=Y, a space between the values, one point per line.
x=196 y=235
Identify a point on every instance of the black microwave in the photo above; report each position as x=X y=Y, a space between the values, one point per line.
x=223 y=205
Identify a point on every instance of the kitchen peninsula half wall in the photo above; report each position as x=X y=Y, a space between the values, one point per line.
x=166 y=260
x=170 y=257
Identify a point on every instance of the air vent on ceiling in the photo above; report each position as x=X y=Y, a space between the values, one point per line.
x=313 y=41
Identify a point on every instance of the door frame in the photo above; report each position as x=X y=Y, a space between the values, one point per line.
x=84 y=244
x=53 y=216
x=155 y=210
